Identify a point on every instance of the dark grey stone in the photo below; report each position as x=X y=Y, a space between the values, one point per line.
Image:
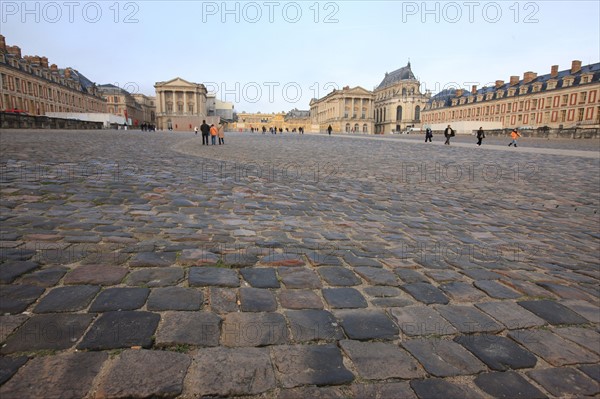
x=254 y=329
x=440 y=388
x=377 y=275
x=499 y=353
x=364 y=324
x=339 y=298
x=120 y=298
x=338 y=276
x=67 y=299
x=313 y=325
x=9 y=271
x=15 y=299
x=175 y=298
x=426 y=293
x=156 y=276
x=507 y=385
x=189 y=328
x=443 y=358
x=121 y=330
x=299 y=277
x=565 y=382
x=257 y=300
x=9 y=366
x=496 y=289
x=421 y=320
x=213 y=276
x=153 y=259
x=553 y=312
x=260 y=277
x=468 y=319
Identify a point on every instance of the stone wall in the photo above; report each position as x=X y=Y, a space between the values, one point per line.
x=19 y=121
x=573 y=133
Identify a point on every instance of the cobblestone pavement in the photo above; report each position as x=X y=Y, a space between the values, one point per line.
x=147 y=265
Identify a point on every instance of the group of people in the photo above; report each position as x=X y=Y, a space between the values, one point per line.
x=211 y=131
x=449 y=132
x=273 y=130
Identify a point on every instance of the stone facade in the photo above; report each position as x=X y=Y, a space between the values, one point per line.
x=28 y=84
x=148 y=105
x=180 y=105
x=348 y=110
x=560 y=99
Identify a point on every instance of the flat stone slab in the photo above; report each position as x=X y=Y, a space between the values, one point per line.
x=254 y=329
x=175 y=298
x=229 y=372
x=313 y=325
x=67 y=299
x=586 y=337
x=48 y=331
x=153 y=259
x=441 y=388
x=421 y=320
x=197 y=257
x=365 y=324
x=344 y=298
x=592 y=371
x=410 y=276
x=338 y=276
x=565 y=382
x=96 y=275
x=383 y=291
x=552 y=348
x=9 y=323
x=120 y=298
x=223 y=300
x=380 y=360
x=426 y=293
x=511 y=315
x=144 y=373
x=553 y=312
x=213 y=276
x=496 y=289
x=377 y=275
x=300 y=299
x=10 y=270
x=9 y=366
x=156 y=276
x=240 y=259
x=299 y=277
x=47 y=277
x=323 y=258
x=257 y=300
x=468 y=319
x=64 y=375
x=260 y=277
x=298 y=365
x=507 y=385
x=16 y=298
x=499 y=353
x=584 y=308
x=443 y=358
x=124 y=329
x=462 y=292
x=189 y=328
x=284 y=259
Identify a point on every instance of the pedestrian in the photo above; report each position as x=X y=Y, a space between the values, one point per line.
x=428 y=135
x=213 y=134
x=329 y=129
x=449 y=132
x=205 y=129
x=196 y=130
x=480 y=135
x=221 y=134
x=515 y=135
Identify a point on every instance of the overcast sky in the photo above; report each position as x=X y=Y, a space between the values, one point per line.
x=273 y=56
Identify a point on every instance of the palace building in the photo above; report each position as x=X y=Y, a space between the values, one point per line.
x=560 y=99
x=29 y=85
x=348 y=110
x=181 y=105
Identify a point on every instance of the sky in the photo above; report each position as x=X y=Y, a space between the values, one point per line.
x=274 y=56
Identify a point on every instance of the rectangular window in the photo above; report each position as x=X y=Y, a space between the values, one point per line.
x=565 y=99
x=563 y=115
x=580 y=114
x=582 y=97
x=573 y=99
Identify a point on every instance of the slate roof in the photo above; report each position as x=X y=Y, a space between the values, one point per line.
x=404 y=73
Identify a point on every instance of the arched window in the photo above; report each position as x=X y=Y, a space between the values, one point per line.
x=347 y=128
x=418 y=112
x=365 y=128
x=356 y=127
x=399 y=113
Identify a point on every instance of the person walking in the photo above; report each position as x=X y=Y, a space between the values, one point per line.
x=480 y=135
x=428 y=135
x=449 y=132
x=213 y=134
x=205 y=129
x=196 y=130
x=515 y=135
x=329 y=129
x=221 y=134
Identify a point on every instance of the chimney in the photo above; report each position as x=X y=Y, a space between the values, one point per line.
x=68 y=73
x=14 y=50
x=529 y=76
x=53 y=68
x=44 y=62
x=2 y=44
x=514 y=80
x=459 y=92
x=474 y=89
x=575 y=66
x=554 y=71
x=499 y=83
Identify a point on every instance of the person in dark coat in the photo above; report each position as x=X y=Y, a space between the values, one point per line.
x=480 y=135
x=205 y=129
x=449 y=132
x=329 y=129
x=428 y=135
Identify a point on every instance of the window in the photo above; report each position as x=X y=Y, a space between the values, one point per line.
x=582 y=97
x=563 y=115
x=179 y=107
x=534 y=103
x=565 y=99
x=579 y=114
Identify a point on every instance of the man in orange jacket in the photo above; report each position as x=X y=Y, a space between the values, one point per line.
x=514 y=134
x=213 y=134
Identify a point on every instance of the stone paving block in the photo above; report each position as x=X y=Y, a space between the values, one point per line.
x=364 y=324
x=189 y=328
x=507 y=385
x=303 y=392
x=383 y=291
x=585 y=337
x=440 y=388
x=443 y=358
x=257 y=300
x=213 y=276
x=340 y=298
x=511 y=315
x=223 y=300
x=153 y=259
x=392 y=302
x=175 y=298
x=144 y=373
x=325 y=257
x=197 y=257
x=442 y=276
x=426 y=293
x=48 y=331
x=65 y=376
x=119 y=298
x=16 y=298
x=481 y=274
x=496 y=290
x=565 y=382
x=410 y=276
x=377 y=275
x=299 y=277
x=462 y=292
x=300 y=299
x=124 y=329
x=9 y=323
x=380 y=360
x=338 y=276
x=592 y=371
x=96 y=275
x=553 y=312
x=565 y=291
x=240 y=259
x=9 y=271
x=356 y=261
x=156 y=276
x=552 y=348
x=311 y=365
x=47 y=277
x=468 y=319
x=528 y=288
x=9 y=366
x=313 y=325
x=284 y=259
x=254 y=329
x=499 y=353
x=589 y=310
x=260 y=277
x=422 y=320
x=67 y=299
x=382 y=390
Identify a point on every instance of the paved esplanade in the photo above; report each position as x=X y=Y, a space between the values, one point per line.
x=144 y=264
